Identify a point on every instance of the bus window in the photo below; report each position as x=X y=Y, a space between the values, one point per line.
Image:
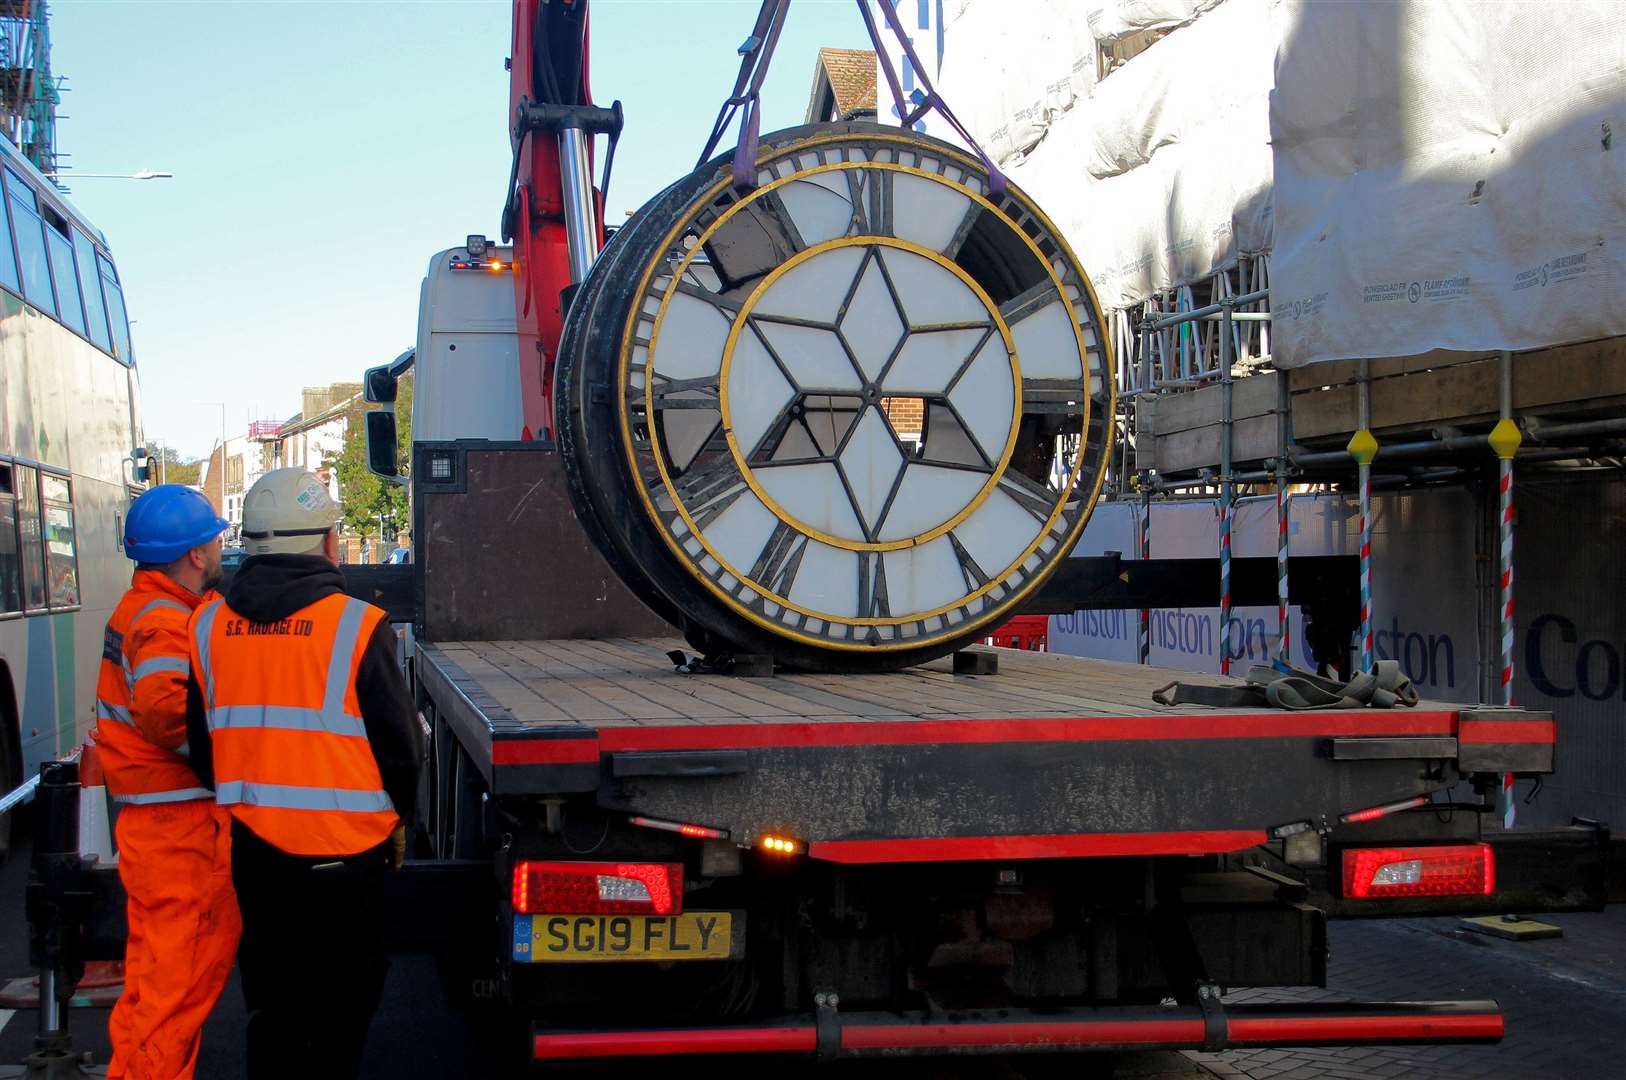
x=67 y=279
x=8 y=259
x=95 y=309
x=28 y=527
x=116 y=318
x=11 y=586
x=30 y=244
x=61 y=555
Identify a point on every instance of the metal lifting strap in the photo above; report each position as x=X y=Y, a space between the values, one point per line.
x=926 y=101
x=756 y=54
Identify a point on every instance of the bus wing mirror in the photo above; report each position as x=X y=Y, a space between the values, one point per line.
x=141 y=465
x=381 y=443
x=379 y=384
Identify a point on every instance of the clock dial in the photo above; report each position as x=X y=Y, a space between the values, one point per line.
x=861 y=410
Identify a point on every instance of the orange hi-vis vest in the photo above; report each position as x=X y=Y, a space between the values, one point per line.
x=291 y=756
x=141 y=694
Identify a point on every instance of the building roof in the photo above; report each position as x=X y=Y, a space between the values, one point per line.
x=847 y=76
x=302 y=423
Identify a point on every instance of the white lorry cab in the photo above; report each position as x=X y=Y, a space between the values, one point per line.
x=465 y=363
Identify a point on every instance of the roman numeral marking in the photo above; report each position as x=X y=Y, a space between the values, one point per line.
x=780 y=226
x=1029 y=302
x=970 y=572
x=775 y=569
x=857 y=194
x=1032 y=496
x=879 y=189
x=872 y=601
x=710 y=489
x=963 y=232
x=700 y=292
x=666 y=391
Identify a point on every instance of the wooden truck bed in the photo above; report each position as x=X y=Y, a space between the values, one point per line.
x=1051 y=755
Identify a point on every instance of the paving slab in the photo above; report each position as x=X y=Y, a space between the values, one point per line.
x=1564 y=1000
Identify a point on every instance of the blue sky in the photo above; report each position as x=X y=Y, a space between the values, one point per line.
x=322 y=151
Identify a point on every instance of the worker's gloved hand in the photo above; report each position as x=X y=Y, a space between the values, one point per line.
x=398 y=841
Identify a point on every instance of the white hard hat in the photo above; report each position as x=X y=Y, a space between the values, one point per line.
x=288 y=512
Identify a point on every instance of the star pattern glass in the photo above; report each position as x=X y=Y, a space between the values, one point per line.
x=840 y=371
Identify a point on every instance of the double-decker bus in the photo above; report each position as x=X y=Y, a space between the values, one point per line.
x=70 y=428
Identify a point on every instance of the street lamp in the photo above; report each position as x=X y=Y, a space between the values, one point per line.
x=143 y=174
x=221 y=405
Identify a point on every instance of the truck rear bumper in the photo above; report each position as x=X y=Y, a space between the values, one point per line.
x=1014 y=1031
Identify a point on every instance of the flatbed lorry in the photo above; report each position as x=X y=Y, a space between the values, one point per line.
x=639 y=856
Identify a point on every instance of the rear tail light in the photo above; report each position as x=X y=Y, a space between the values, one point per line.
x=1450 y=870
x=598 y=888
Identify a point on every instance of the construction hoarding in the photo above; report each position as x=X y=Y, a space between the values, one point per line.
x=1432 y=601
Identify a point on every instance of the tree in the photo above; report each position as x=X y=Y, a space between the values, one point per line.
x=363 y=495
x=168 y=466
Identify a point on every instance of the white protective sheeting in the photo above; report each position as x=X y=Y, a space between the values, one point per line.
x=1163 y=175
x=1010 y=67
x=1448 y=175
x=1112 y=19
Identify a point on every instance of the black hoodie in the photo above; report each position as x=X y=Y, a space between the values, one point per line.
x=269 y=588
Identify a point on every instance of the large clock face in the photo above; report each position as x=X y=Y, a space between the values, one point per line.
x=863 y=405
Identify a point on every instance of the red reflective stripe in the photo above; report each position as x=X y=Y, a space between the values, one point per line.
x=1508 y=731
x=1276 y=1031
x=971 y=848
x=1043 y=729
x=923 y=732
x=544 y=751
x=1057 y=1033
x=604 y=1044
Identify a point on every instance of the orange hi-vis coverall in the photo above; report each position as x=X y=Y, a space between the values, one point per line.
x=174 y=843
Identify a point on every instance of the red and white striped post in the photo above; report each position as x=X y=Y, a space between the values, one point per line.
x=1505 y=438
x=1363 y=447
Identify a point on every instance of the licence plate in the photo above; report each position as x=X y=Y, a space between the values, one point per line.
x=576 y=939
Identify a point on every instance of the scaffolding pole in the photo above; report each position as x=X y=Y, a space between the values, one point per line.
x=1227 y=486
x=1363 y=448
x=1145 y=646
x=1284 y=511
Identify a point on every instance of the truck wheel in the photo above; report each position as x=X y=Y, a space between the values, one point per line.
x=849 y=418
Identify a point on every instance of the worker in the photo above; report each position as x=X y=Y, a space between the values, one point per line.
x=173 y=843
x=299 y=718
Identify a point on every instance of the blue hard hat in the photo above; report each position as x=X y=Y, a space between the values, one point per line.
x=167 y=521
